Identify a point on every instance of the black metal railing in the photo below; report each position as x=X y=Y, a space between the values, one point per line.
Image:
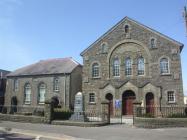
x=165 y=112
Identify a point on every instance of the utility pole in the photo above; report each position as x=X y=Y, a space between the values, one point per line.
x=185 y=18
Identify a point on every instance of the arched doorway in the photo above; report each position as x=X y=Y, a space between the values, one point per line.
x=127 y=102
x=55 y=100
x=109 y=97
x=13 y=105
x=149 y=103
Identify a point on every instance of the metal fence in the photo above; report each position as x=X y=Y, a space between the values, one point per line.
x=164 y=112
x=22 y=110
x=91 y=115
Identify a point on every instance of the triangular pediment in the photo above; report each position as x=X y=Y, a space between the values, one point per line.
x=126 y=20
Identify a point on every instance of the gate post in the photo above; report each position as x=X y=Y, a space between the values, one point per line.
x=105 y=111
x=49 y=111
x=136 y=112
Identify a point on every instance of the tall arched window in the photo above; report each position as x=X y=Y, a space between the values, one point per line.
x=141 y=66
x=128 y=66
x=153 y=43
x=164 y=66
x=126 y=29
x=27 y=94
x=41 y=94
x=56 y=84
x=104 y=48
x=116 y=67
x=95 y=70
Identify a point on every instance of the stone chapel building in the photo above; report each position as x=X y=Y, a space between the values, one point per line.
x=59 y=79
x=132 y=62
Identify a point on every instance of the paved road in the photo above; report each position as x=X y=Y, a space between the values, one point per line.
x=112 y=132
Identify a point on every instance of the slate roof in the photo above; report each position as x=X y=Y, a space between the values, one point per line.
x=45 y=67
x=3 y=73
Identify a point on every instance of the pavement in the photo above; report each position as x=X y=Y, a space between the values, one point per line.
x=111 y=132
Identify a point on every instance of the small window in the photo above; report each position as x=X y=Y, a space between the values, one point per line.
x=128 y=67
x=104 y=48
x=95 y=70
x=16 y=84
x=116 y=68
x=171 y=97
x=92 y=97
x=41 y=94
x=126 y=29
x=27 y=94
x=56 y=84
x=141 y=66
x=153 y=43
x=164 y=66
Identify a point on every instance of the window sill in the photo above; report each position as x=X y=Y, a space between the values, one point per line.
x=166 y=74
x=171 y=103
x=95 y=78
x=41 y=103
x=91 y=103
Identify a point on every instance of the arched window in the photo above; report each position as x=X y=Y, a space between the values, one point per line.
x=41 y=94
x=153 y=43
x=116 y=68
x=128 y=66
x=104 y=48
x=126 y=29
x=141 y=66
x=56 y=84
x=164 y=66
x=27 y=94
x=95 y=70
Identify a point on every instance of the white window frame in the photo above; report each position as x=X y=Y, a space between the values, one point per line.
x=95 y=70
x=164 y=66
x=116 y=68
x=16 y=84
x=56 y=84
x=92 y=98
x=27 y=93
x=41 y=99
x=153 y=44
x=171 y=98
x=128 y=66
x=141 y=66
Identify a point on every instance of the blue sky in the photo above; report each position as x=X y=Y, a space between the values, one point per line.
x=31 y=30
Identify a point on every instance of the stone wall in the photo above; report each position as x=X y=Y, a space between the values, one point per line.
x=21 y=118
x=135 y=44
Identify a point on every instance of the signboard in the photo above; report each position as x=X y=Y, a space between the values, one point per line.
x=117 y=104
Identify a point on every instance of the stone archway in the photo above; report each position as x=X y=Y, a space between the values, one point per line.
x=149 y=102
x=127 y=102
x=55 y=100
x=109 y=97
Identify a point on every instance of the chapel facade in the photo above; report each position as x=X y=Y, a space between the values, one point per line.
x=132 y=62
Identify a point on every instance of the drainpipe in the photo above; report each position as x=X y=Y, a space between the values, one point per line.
x=65 y=90
x=160 y=98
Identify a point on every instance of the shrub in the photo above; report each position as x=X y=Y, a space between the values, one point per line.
x=146 y=115
x=62 y=114
x=177 y=115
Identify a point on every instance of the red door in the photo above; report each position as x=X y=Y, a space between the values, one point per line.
x=128 y=98
x=150 y=103
x=109 y=97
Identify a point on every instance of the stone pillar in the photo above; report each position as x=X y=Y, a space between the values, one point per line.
x=136 y=110
x=49 y=111
x=105 y=111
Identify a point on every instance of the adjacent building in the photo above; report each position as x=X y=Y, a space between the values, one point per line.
x=3 y=74
x=58 y=79
x=132 y=62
